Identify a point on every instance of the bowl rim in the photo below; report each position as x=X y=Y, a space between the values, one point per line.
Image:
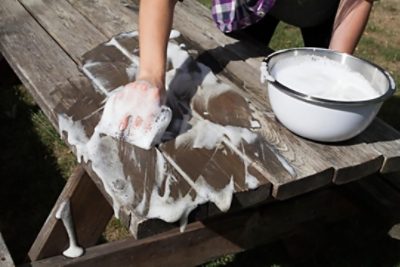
x=317 y=100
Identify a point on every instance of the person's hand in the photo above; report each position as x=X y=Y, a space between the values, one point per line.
x=135 y=113
x=141 y=101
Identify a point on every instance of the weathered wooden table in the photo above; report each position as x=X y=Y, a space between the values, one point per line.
x=59 y=51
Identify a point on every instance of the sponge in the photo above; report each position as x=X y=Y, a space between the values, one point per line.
x=146 y=122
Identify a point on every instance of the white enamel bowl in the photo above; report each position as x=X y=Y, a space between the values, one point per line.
x=322 y=119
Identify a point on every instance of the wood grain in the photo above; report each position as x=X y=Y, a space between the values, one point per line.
x=66 y=25
x=109 y=16
x=33 y=55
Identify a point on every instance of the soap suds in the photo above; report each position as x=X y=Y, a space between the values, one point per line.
x=126 y=102
x=174 y=34
x=131 y=56
x=323 y=78
x=64 y=214
x=102 y=149
x=205 y=134
x=97 y=82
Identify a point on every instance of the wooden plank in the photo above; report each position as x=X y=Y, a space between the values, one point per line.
x=67 y=26
x=290 y=175
x=205 y=240
x=90 y=211
x=385 y=139
x=109 y=16
x=33 y=55
x=5 y=256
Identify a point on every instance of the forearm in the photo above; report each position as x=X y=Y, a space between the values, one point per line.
x=350 y=21
x=155 y=22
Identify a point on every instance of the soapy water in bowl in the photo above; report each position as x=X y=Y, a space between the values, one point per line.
x=323 y=78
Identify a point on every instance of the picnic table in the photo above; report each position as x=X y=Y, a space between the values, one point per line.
x=62 y=53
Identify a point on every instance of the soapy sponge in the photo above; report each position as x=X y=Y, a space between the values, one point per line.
x=147 y=121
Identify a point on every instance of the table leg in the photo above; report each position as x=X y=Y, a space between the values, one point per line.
x=91 y=213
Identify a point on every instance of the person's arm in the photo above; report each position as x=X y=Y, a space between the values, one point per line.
x=350 y=21
x=155 y=22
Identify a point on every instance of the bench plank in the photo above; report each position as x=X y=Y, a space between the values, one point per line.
x=90 y=212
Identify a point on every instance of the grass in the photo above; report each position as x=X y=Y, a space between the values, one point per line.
x=36 y=164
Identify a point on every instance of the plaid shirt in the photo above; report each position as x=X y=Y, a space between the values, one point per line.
x=230 y=15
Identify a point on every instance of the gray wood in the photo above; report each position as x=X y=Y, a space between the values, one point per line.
x=109 y=16
x=34 y=57
x=5 y=256
x=66 y=25
x=386 y=140
x=211 y=238
x=90 y=211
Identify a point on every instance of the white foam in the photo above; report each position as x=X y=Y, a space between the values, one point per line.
x=323 y=78
x=206 y=134
x=64 y=214
x=174 y=34
x=102 y=151
x=131 y=71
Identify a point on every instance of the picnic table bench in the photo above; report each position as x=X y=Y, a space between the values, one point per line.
x=61 y=52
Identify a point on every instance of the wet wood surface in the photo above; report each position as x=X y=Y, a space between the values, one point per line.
x=57 y=49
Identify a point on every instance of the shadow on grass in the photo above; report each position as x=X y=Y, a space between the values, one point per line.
x=390 y=111
x=30 y=179
x=360 y=241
